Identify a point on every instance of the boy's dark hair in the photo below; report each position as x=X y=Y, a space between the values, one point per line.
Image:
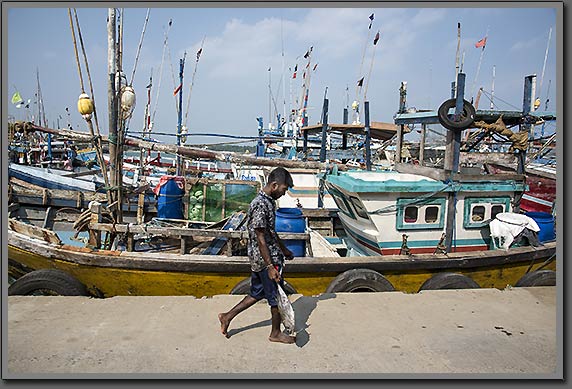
x=281 y=176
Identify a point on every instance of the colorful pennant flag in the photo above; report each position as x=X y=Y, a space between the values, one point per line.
x=376 y=38
x=370 y=20
x=295 y=70
x=481 y=43
x=177 y=89
x=16 y=98
x=360 y=82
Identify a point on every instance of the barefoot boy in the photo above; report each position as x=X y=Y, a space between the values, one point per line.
x=266 y=253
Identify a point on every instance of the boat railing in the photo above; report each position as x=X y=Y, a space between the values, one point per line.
x=186 y=235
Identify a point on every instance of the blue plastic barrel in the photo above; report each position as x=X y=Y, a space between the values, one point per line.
x=170 y=202
x=292 y=220
x=545 y=222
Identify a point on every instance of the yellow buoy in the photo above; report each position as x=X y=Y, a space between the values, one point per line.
x=536 y=103
x=85 y=106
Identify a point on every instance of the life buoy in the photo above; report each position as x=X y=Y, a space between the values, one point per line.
x=243 y=287
x=359 y=280
x=465 y=119
x=47 y=282
x=538 y=278
x=449 y=281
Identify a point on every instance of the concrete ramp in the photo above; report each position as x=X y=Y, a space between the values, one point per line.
x=511 y=332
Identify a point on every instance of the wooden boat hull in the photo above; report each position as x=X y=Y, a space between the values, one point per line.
x=112 y=273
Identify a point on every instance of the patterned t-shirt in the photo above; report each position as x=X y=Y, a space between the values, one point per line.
x=262 y=214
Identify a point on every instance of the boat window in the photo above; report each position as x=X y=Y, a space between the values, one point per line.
x=496 y=209
x=478 y=213
x=410 y=214
x=341 y=205
x=359 y=207
x=431 y=214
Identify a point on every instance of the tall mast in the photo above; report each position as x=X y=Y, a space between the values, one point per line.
x=544 y=65
x=493 y=89
x=180 y=118
x=112 y=99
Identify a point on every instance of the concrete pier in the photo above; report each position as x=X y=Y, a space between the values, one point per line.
x=513 y=332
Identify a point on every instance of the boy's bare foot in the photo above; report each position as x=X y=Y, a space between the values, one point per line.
x=282 y=338
x=223 y=324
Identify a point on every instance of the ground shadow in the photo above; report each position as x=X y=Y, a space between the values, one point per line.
x=303 y=308
x=249 y=327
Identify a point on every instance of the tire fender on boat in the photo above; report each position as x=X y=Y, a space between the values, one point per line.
x=359 y=280
x=55 y=281
x=449 y=281
x=467 y=116
x=243 y=287
x=538 y=278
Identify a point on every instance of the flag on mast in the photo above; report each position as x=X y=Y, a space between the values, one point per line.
x=199 y=54
x=17 y=99
x=481 y=43
x=376 y=38
x=295 y=70
x=177 y=89
x=370 y=21
x=360 y=82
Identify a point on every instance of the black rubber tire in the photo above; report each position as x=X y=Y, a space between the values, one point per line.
x=538 y=278
x=49 y=282
x=243 y=287
x=359 y=280
x=449 y=281
x=466 y=119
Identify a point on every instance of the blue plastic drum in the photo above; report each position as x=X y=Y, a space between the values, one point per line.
x=170 y=201
x=292 y=220
x=545 y=222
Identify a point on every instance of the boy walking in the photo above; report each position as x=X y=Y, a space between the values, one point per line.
x=266 y=253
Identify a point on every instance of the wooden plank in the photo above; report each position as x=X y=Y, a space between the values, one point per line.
x=34 y=231
x=233 y=223
x=434 y=173
x=177 y=232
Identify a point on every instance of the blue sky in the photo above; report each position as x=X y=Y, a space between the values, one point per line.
x=231 y=83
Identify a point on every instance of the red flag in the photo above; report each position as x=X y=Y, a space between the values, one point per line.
x=177 y=89
x=360 y=82
x=294 y=76
x=481 y=43
x=376 y=38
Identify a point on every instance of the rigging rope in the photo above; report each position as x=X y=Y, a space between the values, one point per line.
x=140 y=44
x=193 y=81
x=76 y=53
x=504 y=101
x=161 y=71
x=87 y=71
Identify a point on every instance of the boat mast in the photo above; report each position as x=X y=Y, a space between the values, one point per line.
x=544 y=65
x=180 y=113
x=112 y=103
x=457 y=57
x=493 y=88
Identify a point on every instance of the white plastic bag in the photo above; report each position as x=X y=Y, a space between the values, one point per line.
x=286 y=311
